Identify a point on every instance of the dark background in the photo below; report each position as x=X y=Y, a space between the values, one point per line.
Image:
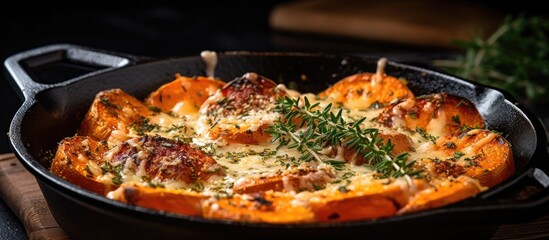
x=162 y=30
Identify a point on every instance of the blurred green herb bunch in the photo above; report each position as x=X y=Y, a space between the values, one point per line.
x=515 y=58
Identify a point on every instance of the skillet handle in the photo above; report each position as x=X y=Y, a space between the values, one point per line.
x=28 y=70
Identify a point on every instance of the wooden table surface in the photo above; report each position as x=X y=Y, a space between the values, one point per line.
x=19 y=190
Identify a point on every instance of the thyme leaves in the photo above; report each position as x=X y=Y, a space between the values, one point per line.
x=309 y=128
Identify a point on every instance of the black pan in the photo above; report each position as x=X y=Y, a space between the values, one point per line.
x=52 y=111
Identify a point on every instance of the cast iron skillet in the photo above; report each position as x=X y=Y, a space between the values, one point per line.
x=52 y=111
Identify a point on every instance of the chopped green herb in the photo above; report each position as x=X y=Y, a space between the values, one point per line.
x=338 y=165
x=145 y=126
x=106 y=102
x=456 y=119
x=107 y=167
x=88 y=170
x=343 y=189
x=154 y=109
x=426 y=135
x=450 y=145
x=457 y=156
x=376 y=105
x=412 y=114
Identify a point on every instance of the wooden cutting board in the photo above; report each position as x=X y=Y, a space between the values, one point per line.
x=419 y=22
x=20 y=191
x=22 y=194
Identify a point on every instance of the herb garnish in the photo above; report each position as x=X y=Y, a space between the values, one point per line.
x=456 y=119
x=107 y=167
x=320 y=128
x=88 y=170
x=105 y=101
x=154 y=109
x=426 y=135
x=145 y=126
x=457 y=156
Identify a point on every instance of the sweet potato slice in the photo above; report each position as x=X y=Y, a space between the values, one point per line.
x=259 y=184
x=401 y=142
x=296 y=180
x=477 y=153
x=442 y=193
x=184 y=95
x=269 y=207
x=362 y=200
x=354 y=208
x=78 y=160
x=163 y=160
x=178 y=201
x=437 y=114
x=241 y=111
x=150 y=160
x=111 y=115
x=366 y=90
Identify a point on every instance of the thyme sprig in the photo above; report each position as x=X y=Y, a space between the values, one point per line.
x=309 y=129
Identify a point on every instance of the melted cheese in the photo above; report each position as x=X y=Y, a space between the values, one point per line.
x=210 y=58
x=436 y=125
x=241 y=162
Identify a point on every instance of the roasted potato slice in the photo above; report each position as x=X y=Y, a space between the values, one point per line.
x=78 y=160
x=178 y=201
x=184 y=95
x=241 y=111
x=366 y=90
x=437 y=114
x=111 y=115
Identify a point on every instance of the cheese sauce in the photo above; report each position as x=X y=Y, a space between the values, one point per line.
x=242 y=162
